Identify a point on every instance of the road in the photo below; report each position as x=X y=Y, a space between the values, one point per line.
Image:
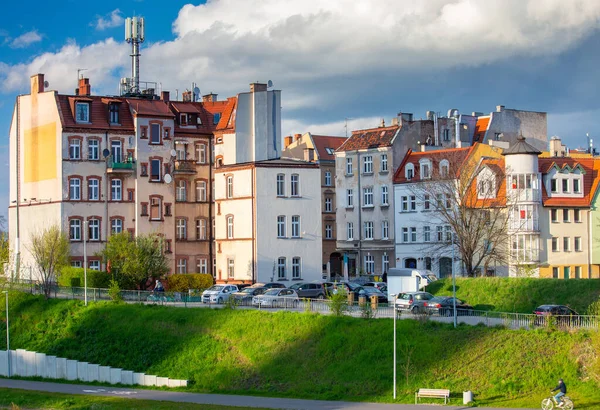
x=218 y=399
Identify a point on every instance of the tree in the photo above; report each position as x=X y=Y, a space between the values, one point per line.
x=134 y=261
x=50 y=250
x=468 y=204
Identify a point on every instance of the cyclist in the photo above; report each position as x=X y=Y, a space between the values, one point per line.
x=158 y=287
x=562 y=387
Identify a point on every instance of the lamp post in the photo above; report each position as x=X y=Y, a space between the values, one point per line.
x=394 y=296
x=85 y=262
x=453 y=283
x=7 y=333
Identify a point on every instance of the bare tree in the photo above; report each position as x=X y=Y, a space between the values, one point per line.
x=50 y=250
x=467 y=200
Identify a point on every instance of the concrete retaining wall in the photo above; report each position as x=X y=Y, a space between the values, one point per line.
x=31 y=364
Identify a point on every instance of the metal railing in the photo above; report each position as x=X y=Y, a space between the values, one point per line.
x=185 y=166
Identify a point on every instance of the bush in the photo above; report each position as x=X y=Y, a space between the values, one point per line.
x=114 y=291
x=69 y=276
x=183 y=282
x=338 y=303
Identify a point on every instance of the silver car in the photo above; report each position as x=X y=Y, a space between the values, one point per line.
x=414 y=302
x=277 y=298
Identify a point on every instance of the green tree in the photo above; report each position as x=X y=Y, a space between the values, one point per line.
x=50 y=250
x=4 y=246
x=134 y=261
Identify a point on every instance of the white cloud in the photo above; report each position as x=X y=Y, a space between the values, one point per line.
x=26 y=39
x=110 y=20
x=337 y=128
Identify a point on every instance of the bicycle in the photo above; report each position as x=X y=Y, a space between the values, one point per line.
x=156 y=298
x=549 y=403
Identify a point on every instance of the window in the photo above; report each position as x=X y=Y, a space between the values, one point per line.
x=75 y=149
x=116 y=190
x=167 y=209
x=554 y=215
x=155 y=165
x=425 y=170
x=116 y=226
x=327 y=178
x=181 y=265
x=155 y=133
x=576 y=186
x=446 y=135
x=349 y=166
x=577 y=272
x=76 y=264
x=553 y=187
x=404 y=203
x=577 y=240
x=350 y=231
x=281 y=226
x=566 y=244
x=94 y=229
x=566 y=272
x=555 y=273
x=75 y=189
x=82 y=112
x=368 y=230
x=426 y=234
x=565 y=185
x=200 y=191
x=116 y=151
x=328 y=231
x=440 y=233
x=576 y=215
x=385 y=262
x=295 y=185
x=295 y=226
x=93 y=189
x=368 y=164
x=230 y=187
x=216 y=117
x=409 y=171
x=413 y=234
x=448 y=232
x=95 y=265
x=405 y=235
x=156 y=209
x=143 y=169
x=384 y=195
x=555 y=244
x=369 y=264
x=384 y=163
x=444 y=168
x=280 y=185
x=296 y=268
x=180 y=191
x=367 y=196
x=200 y=229
x=230 y=268
x=328 y=204
x=566 y=215
x=413 y=203
x=281 y=268
x=448 y=201
x=180 y=151
x=201 y=266
x=181 y=229
x=426 y=202
x=75 y=229
x=349 y=198
x=113 y=113
x=93 y=150
x=230 y=227
x=183 y=119
x=385 y=230
x=200 y=153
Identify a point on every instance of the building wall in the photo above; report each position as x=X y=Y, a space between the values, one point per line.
x=328 y=191
x=511 y=123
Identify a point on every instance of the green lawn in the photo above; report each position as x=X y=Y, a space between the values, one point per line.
x=305 y=355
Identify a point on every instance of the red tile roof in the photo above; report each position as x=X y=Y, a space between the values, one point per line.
x=480 y=128
x=370 y=138
x=322 y=142
x=98 y=114
x=496 y=165
x=455 y=156
x=590 y=180
x=150 y=108
x=205 y=110
x=227 y=122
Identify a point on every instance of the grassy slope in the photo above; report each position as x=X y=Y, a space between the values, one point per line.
x=520 y=294
x=306 y=355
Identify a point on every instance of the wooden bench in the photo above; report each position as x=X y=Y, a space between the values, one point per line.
x=434 y=393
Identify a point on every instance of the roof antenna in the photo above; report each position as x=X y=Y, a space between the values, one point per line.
x=346 y=125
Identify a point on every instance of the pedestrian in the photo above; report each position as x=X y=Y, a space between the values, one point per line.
x=384 y=277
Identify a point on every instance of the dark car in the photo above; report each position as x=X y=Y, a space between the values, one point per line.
x=309 y=290
x=273 y=285
x=444 y=306
x=244 y=296
x=370 y=291
x=564 y=315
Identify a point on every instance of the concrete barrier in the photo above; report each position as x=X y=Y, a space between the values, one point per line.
x=3 y=363
x=138 y=378
x=20 y=369
x=162 y=381
x=126 y=377
x=115 y=376
x=93 y=373
x=149 y=380
x=41 y=366
x=61 y=368
x=51 y=367
x=30 y=367
x=71 y=369
x=104 y=374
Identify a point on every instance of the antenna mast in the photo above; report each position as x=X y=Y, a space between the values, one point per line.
x=134 y=34
x=346 y=125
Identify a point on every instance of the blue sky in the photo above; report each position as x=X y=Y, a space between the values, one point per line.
x=332 y=60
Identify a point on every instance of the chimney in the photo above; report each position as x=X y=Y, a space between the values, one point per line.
x=37 y=83
x=165 y=96
x=297 y=136
x=499 y=108
x=186 y=96
x=309 y=154
x=287 y=141
x=84 y=87
x=209 y=97
x=257 y=87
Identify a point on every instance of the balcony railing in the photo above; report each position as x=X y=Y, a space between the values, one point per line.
x=125 y=164
x=185 y=167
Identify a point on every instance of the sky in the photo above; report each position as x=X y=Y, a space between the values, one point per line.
x=358 y=59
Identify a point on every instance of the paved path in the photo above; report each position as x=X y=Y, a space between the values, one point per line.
x=220 y=399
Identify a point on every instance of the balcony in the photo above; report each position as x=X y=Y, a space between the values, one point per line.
x=124 y=165
x=185 y=167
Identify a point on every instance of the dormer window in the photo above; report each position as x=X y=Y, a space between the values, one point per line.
x=113 y=113
x=565 y=185
x=444 y=168
x=553 y=185
x=183 y=119
x=82 y=112
x=409 y=171
x=576 y=186
x=425 y=168
x=216 y=118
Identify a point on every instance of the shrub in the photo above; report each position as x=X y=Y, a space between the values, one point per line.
x=183 y=282
x=338 y=303
x=69 y=276
x=114 y=291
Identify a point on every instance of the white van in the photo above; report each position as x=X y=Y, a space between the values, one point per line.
x=408 y=280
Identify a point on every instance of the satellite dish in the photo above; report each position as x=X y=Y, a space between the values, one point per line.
x=173 y=153
x=168 y=178
x=269 y=84
x=106 y=152
x=46 y=84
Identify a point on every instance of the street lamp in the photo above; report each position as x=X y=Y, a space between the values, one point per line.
x=85 y=262
x=394 y=296
x=453 y=283
x=7 y=333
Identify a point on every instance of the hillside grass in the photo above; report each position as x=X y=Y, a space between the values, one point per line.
x=521 y=295
x=303 y=355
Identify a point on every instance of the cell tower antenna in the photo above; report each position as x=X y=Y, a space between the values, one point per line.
x=135 y=34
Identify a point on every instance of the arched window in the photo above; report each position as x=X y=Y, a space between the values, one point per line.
x=444 y=168
x=409 y=171
x=425 y=168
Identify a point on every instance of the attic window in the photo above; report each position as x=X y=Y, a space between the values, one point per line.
x=216 y=118
x=113 y=111
x=329 y=150
x=183 y=119
x=82 y=112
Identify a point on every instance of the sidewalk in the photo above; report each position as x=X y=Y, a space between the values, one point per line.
x=219 y=399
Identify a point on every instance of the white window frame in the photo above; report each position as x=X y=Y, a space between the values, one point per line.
x=328 y=231
x=230 y=227
x=230 y=268
x=385 y=230
x=327 y=178
x=281 y=185
x=116 y=226
x=200 y=191
x=328 y=204
x=295 y=226
x=201 y=229
x=201 y=265
x=384 y=195
x=349 y=167
x=368 y=164
x=94 y=265
x=93 y=189
x=181 y=191
x=409 y=171
x=369 y=230
x=82 y=112
x=181 y=265
x=75 y=189
x=295 y=185
x=369 y=264
x=349 y=198
x=281 y=262
x=296 y=267
x=181 y=229
x=385 y=262
x=384 y=163
x=94 y=229
x=425 y=169
x=350 y=231
x=281 y=226
x=75 y=230
x=201 y=153
x=413 y=234
x=229 y=186
x=367 y=197
x=426 y=233
x=116 y=189
x=93 y=149
x=75 y=149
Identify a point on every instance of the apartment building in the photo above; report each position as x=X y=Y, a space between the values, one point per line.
x=320 y=149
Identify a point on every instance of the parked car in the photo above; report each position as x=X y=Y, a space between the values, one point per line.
x=277 y=297
x=414 y=302
x=272 y=285
x=444 y=306
x=245 y=295
x=382 y=286
x=328 y=286
x=309 y=290
x=218 y=293
x=370 y=291
x=564 y=315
